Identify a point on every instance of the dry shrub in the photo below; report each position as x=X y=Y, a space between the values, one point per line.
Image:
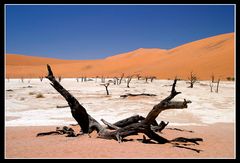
x=31 y=93
x=39 y=95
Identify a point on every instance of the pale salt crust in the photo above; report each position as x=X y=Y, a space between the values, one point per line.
x=22 y=108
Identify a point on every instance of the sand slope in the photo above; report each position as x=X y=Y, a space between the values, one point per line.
x=213 y=55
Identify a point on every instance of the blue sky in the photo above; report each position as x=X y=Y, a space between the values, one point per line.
x=98 y=31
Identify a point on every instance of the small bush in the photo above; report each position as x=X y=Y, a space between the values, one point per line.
x=31 y=93
x=39 y=95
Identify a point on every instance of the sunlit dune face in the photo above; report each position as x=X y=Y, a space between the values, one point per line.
x=214 y=55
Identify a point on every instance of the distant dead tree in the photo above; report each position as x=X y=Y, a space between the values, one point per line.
x=129 y=80
x=115 y=80
x=106 y=86
x=22 y=79
x=217 y=85
x=29 y=80
x=138 y=76
x=211 y=85
x=103 y=79
x=59 y=79
x=146 y=79
x=77 y=79
x=83 y=79
x=212 y=77
x=41 y=78
x=96 y=79
x=120 y=80
x=152 y=77
x=192 y=80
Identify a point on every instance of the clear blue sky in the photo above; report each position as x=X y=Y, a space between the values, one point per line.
x=98 y=31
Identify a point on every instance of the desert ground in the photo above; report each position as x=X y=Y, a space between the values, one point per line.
x=31 y=107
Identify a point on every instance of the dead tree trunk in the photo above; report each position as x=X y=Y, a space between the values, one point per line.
x=121 y=78
x=142 y=94
x=211 y=85
x=115 y=80
x=212 y=78
x=138 y=76
x=192 y=80
x=78 y=111
x=146 y=79
x=217 y=85
x=106 y=86
x=41 y=78
x=166 y=104
x=145 y=125
x=152 y=77
x=59 y=79
x=129 y=80
x=128 y=126
x=103 y=79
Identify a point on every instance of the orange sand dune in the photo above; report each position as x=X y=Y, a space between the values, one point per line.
x=213 y=55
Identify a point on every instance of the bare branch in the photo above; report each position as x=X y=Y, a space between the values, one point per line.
x=166 y=104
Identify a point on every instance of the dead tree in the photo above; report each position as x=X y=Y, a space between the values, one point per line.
x=144 y=126
x=146 y=79
x=211 y=85
x=212 y=77
x=79 y=113
x=192 y=80
x=120 y=80
x=152 y=77
x=103 y=79
x=138 y=76
x=106 y=86
x=217 y=85
x=115 y=80
x=22 y=79
x=129 y=80
x=96 y=79
x=59 y=79
x=129 y=126
x=41 y=78
x=142 y=94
